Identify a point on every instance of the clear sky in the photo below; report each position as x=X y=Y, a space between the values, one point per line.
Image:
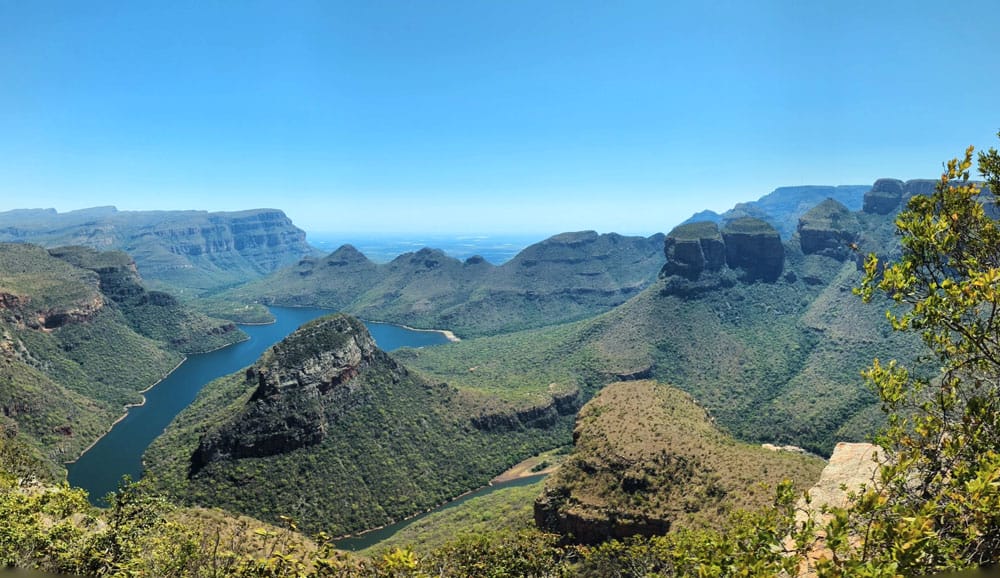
x=476 y=116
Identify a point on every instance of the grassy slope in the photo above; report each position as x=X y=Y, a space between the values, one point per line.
x=567 y=277
x=647 y=451
x=774 y=362
x=63 y=385
x=506 y=509
x=397 y=447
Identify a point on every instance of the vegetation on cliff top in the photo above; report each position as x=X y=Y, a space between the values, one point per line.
x=79 y=338
x=567 y=277
x=371 y=446
x=647 y=459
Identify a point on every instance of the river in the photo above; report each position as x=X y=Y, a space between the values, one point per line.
x=370 y=538
x=119 y=452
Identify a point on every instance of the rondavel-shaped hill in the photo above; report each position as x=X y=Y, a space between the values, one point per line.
x=566 y=277
x=327 y=428
x=765 y=334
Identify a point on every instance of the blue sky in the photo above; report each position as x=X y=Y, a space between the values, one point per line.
x=482 y=117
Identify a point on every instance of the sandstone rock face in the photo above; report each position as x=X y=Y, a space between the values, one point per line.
x=851 y=466
x=693 y=248
x=884 y=197
x=755 y=247
x=914 y=187
x=543 y=415
x=301 y=383
x=828 y=229
x=185 y=247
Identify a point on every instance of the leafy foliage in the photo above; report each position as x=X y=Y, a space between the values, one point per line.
x=936 y=504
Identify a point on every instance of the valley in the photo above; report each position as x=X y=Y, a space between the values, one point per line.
x=686 y=352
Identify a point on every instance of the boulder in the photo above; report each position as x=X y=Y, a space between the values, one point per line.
x=755 y=247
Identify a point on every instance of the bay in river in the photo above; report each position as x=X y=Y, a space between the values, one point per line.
x=120 y=452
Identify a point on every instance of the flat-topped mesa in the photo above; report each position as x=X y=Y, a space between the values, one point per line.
x=828 y=229
x=885 y=196
x=301 y=383
x=693 y=248
x=755 y=247
x=747 y=243
x=888 y=195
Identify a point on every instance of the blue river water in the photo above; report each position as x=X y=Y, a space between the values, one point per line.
x=119 y=452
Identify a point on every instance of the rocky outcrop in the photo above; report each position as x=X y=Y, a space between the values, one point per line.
x=302 y=383
x=851 y=467
x=55 y=318
x=747 y=244
x=693 y=248
x=755 y=247
x=117 y=273
x=196 y=249
x=914 y=187
x=828 y=229
x=542 y=416
x=884 y=197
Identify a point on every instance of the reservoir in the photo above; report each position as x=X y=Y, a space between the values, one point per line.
x=120 y=452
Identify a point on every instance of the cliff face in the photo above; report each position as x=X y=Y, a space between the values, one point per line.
x=748 y=244
x=193 y=249
x=889 y=195
x=301 y=384
x=754 y=246
x=693 y=248
x=884 y=196
x=153 y=314
x=828 y=229
x=326 y=419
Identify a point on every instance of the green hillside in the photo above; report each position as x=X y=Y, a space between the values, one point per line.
x=773 y=362
x=648 y=460
x=566 y=277
x=80 y=337
x=352 y=434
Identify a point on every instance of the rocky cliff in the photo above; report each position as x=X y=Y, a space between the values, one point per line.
x=749 y=245
x=154 y=314
x=189 y=249
x=299 y=386
x=828 y=229
x=329 y=429
x=80 y=336
x=693 y=248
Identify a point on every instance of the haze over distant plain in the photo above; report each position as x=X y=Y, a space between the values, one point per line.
x=510 y=117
